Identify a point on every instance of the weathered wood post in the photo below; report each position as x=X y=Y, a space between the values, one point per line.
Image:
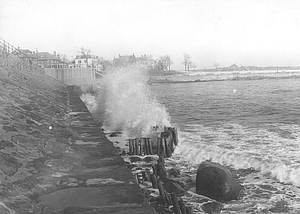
x=136 y=147
x=158 y=145
x=154 y=170
x=182 y=206
x=150 y=146
x=160 y=167
x=175 y=203
x=153 y=180
x=161 y=191
x=175 y=136
x=168 y=147
x=163 y=147
x=130 y=147
x=140 y=146
x=145 y=146
x=147 y=174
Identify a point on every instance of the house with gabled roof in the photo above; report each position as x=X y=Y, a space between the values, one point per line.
x=44 y=59
x=124 y=60
x=145 y=62
x=83 y=61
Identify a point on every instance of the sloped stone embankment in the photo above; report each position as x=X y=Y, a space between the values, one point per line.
x=54 y=158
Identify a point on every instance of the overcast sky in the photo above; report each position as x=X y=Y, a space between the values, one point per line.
x=250 y=32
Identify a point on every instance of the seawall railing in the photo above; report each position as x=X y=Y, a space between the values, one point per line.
x=14 y=59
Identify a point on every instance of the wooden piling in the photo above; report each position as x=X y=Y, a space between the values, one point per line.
x=158 y=145
x=168 y=148
x=136 y=152
x=161 y=191
x=137 y=178
x=140 y=147
x=163 y=147
x=147 y=174
x=153 y=180
x=176 y=207
x=160 y=167
x=183 y=208
x=154 y=170
x=145 y=147
x=171 y=145
x=150 y=146
x=130 y=147
x=175 y=136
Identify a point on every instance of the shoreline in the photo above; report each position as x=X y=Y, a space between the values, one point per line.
x=186 y=177
x=155 y=81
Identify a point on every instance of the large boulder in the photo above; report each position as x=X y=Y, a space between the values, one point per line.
x=215 y=181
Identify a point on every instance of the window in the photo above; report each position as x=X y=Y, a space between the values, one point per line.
x=79 y=61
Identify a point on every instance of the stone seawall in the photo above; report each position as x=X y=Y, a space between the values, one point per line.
x=54 y=157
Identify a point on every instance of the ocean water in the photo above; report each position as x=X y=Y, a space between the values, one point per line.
x=247 y=125
x=252 y=127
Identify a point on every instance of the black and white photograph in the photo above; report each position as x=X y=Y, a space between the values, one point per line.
x=149 y=106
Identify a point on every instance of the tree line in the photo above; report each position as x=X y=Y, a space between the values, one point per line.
x=163 y=63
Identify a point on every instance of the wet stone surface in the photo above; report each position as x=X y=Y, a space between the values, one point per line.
x=59 y=165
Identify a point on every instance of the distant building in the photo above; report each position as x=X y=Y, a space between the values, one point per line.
x=143 y=61
x=124 y=60
x=45 y=59
x=28 y=54
x=83 y=61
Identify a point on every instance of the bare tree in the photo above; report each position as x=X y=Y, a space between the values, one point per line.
x=164 y=63
x=168 y=61
x=193 y=66
x=86 y=53
x=217 y=65
x=187 y=62
x=161 y=64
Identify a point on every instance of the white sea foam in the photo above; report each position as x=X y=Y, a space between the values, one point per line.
x=260 y=155
x=125 y=103
x=90 y=101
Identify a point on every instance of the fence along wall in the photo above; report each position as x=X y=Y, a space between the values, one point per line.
x=15 y=60
x=73 y=76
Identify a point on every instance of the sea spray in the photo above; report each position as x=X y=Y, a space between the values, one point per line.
x=90 y=101
x=125 y=103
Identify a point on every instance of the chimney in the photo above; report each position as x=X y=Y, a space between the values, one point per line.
x=54 y=53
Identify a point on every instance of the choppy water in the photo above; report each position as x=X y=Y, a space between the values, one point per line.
x=246 y=125
x=250 y=126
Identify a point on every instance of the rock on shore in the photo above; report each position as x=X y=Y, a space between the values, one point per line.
x=215 y=181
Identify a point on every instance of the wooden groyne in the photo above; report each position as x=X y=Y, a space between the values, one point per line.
x=165 y=144
x=153 y=174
